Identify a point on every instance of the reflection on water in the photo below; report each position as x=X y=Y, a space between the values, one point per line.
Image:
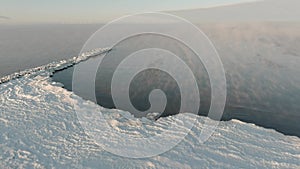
x=261 y=63
x=261 y=108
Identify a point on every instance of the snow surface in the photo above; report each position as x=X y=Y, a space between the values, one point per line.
x=39 y=129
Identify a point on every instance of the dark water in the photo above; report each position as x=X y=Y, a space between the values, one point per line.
x=261 y=63
x=271 y=107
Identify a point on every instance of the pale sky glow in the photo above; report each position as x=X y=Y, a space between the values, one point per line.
x=92 y=11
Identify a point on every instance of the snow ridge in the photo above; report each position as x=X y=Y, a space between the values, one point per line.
x=39 y=129
x=55 y=66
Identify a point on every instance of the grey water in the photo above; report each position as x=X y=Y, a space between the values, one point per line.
x=27 y=46
x=263 y=83
x=277 y=115
x=261 y=62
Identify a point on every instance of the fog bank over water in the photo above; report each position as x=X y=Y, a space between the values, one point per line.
x=260 y=11
x=261 y=66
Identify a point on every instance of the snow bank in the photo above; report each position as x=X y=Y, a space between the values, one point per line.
x=39 y=128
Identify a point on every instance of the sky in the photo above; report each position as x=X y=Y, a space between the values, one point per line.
x=92 y=11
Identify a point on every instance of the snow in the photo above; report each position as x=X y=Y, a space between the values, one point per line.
x=39 y=126
x=39 y=129
x=54 y=66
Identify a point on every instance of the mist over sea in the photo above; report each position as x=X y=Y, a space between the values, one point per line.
x=148 y=90
x=28 y=46
x=261 y=65
x=261 y=62
x=260 y=59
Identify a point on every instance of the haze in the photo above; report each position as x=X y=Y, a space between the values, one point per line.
x=92 y=11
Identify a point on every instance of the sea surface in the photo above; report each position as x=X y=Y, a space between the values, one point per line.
x=39 y=127
x=261 y=65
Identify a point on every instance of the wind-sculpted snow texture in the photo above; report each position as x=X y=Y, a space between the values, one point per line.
x=39 y=129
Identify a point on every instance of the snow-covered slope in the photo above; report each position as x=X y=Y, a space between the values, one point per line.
x=39 y=128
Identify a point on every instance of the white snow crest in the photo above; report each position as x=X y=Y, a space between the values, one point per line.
x=39 y=129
